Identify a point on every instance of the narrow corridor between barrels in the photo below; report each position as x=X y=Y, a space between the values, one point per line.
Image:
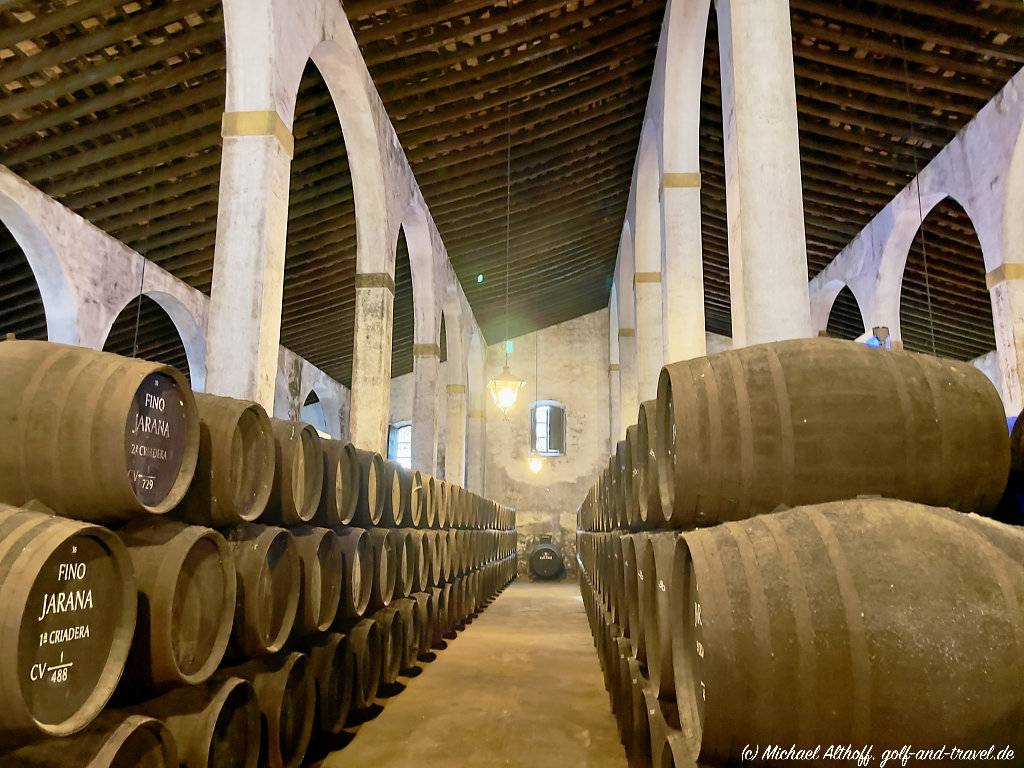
x=520 y=687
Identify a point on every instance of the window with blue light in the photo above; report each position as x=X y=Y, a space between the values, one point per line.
x=400 y=444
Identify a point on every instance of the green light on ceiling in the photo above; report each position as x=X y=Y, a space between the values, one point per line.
x=509 y=346
x=480 y=277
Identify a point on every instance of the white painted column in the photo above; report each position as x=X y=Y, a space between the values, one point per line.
x=424 y=407
x=649 y=345
x=682 y=279
x=1006 y=287
x=614 y=403
x=248 y=269
x=629 y=399
x=476 y=437
x=455 y=435
x=371 y=361
x=767 y=247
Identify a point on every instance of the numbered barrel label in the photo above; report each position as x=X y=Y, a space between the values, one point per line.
x=67 y=629
x=155 y=438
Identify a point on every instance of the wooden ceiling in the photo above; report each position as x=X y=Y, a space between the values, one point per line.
x=114 y=108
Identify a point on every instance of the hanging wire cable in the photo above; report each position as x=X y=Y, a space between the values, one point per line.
x=920 y=205
x=142 y=277
x=508 y=201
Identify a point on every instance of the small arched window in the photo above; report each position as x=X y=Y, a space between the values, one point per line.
x=400 y=443
x=547 y=428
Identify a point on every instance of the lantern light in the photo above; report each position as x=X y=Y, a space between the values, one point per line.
x=505 y=389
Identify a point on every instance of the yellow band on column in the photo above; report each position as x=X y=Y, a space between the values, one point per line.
x=476 y=413
x=612 y=367
x=626 y=332
x=1004 y=272
x=375 y=280
x=266 y=123
x=646 y=277
x=690 y=180
x=456 y=389
x=426 y=350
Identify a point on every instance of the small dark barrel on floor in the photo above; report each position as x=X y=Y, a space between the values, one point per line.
x=847 y=624
x=286 y=696
x=235 y=470
x=92 y=435
x=365 y=643
x=114 y=740
x=68 y=608
x=299 y=473
x=357 y=569
x=370 y=505
x=268 y=583
x=215 y=725
x=186 y=582
x=333 y=666
x=321 y=560
x=341 y=484
x=545 y=561
x=814 y=420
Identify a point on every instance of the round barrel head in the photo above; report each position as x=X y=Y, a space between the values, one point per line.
x=155 y=438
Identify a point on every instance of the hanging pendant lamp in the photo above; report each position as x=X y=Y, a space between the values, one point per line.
x=505 y=388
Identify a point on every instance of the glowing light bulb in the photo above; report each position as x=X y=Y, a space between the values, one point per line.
x=535 y=464
x=507 y=397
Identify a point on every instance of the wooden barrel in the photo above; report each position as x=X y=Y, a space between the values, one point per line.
x=452 y=548
x=429 y=518
x=439 y=597
x=357 y=568
x=632 y=479
x=663 y=724
x=645 y=467
x=321 y=559
x=92 y=435
x=341 y=485
x=370 y=505
x=186 y=591
x=364 y=639
x=235 y=469
x=386 y=567
x=392 y=642
x=66 y=622
x=442 y=497
x=432 y=549
x=333 y=666
x=394 y=511
x=298 y=475
x=831 y=624
x=419 y=557
x=406 y=575
x=631 y=600
x=411 y=632
x=114 y=740
x=411 y=492
x=419 y=500
x=655 y=559
x=215 y=725
x=286 y=696
x=813 y=420
x=425 y=612
x=268 y=584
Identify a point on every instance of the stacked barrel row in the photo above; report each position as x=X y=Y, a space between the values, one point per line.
x=188 y=581
x=792 y=547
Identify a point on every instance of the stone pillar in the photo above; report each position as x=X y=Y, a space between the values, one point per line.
x=649 y=345
x=426 y=359
x=629 y=394
x=1006 y=287
x=767 y=248
x=475 y=446
x=682 y=279
x=615 y=403
x=455 y=435
x=371 y=361
x=244 y=330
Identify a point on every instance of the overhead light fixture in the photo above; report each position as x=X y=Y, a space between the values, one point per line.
x=536 y=464
x=480 y=277
x=505 y=388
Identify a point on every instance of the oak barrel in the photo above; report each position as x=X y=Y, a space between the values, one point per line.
x=655 y=558
x=333 y=666
x=386 y=566
x=235 y=469
x=286 y=696
x=365 y=641
x=857 y=622
x=298 y=474
x=268 y=583
x=392 y=642
x=419 y=500
x=370 y=505
x=186 y=583
x=215 y=725
x=358 y=569
x=341 y=484
x=321 y=560
x=814 y=420
x=394 y=510
x=645 y=466
x=66 y=622
x=92 y=435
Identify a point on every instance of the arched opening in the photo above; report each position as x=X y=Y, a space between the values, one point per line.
x=443 y=341
x=313 y=412
x=845 y=321
x=144 y=330
x=318 y=307
x=945 y=306
x=21 y=304
x=404 y=324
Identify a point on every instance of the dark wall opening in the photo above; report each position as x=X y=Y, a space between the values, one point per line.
x=21 y=305
x=945 y=306
x=157 y=338
x=403 y=330
x=845 y=320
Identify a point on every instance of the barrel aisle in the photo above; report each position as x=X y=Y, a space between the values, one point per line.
x=521 y=689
